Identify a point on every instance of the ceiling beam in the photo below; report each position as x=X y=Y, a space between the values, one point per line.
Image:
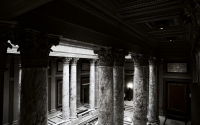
x=13 y=8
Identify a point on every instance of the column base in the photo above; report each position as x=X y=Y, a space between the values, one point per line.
x=65 y=122
x=15 y=122
x=53 y=110
x=73 y=118
x=153 y=123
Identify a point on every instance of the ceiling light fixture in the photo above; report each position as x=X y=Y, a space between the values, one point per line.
x=161 y=28
x=170 y=40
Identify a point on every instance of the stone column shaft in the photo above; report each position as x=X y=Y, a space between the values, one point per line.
x=118 y=87
x=6 y=77
x=33 y=109
x=105 y=86
x=153 y=103
x=16 y=89
x=65 y=90
x=73 y=84
x=140 y=90
x=53 y=85
x=92 y=85
x=97 y=85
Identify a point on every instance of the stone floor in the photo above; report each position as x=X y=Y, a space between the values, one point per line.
x=85 y=117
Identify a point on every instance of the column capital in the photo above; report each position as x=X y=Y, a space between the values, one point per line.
x=106 y=57
x=97 y=62
x=66 y=60
x=152 y=60
x=17 y=59
x=140 y=60
x=74 y=61
x=93 y=61
x=8 y=59
x=6 y=33
x=34 y=47
x=119 y=57
x=53 y=59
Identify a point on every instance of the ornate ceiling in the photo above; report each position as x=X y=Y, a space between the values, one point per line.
x=143 y=26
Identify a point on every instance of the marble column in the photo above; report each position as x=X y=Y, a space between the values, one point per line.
x=19 y=94
x=6 y=34
x=97 y=84
x=153 y=102
x=140 y=90
x=106 y=61
x=65 y=90
x=16 y=91
x=118 y=87
x=92 y=84
x=73 y=84
x=34 y=50
x=6 y=92
x=53 y=85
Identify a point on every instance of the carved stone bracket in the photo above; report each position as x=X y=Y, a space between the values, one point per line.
x=140 y=60
x=74 y=61
x=106 y=56
x=119 y=57
x=66 y=60
x=34 y=47
x=152 y=61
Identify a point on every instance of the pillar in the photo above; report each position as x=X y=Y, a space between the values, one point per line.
x=34 y=50
x=6 y=92
x=92 y=84
x=118 y=87
x=97 y=84
x=6 y=34
x=153 y=103
x=140 y=90
x=17 y=83
x=73 y=84
x=65 y=90
x=105 y=86
x=53 y=85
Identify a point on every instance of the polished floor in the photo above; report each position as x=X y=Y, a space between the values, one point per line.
x=85 y=117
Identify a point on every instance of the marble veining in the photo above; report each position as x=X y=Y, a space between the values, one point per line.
x=33 y=109
x=65 y=92
x=73 y=92
x=140 y=95
x=97 y=86
x=92 y=87
x=152 y=112
x=105 y=95
x=118 y=101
